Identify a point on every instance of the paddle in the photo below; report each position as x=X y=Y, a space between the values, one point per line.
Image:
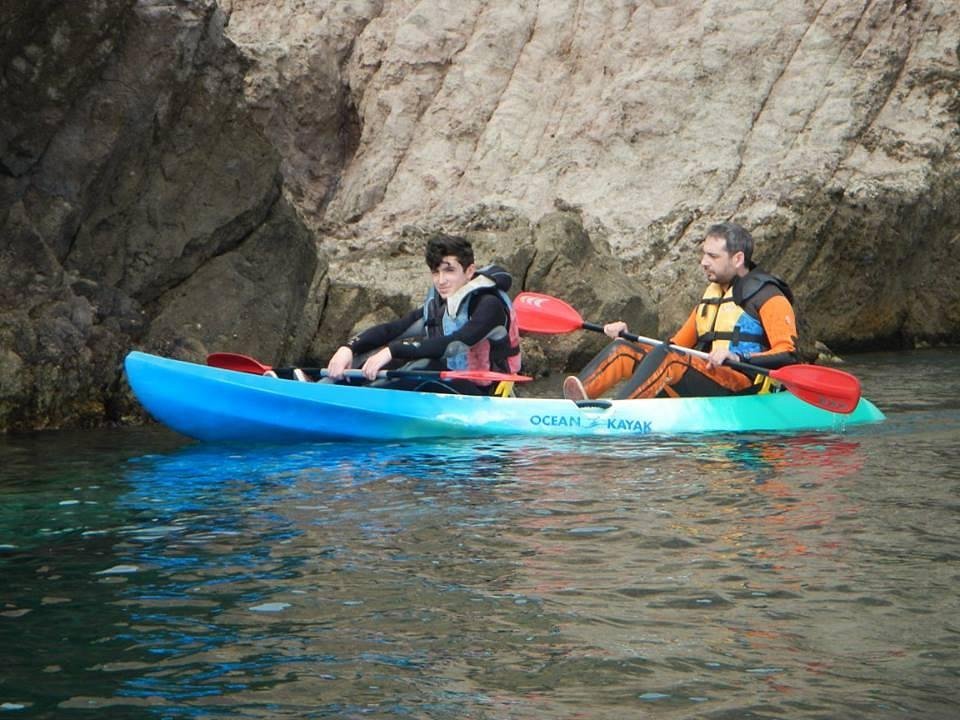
x=826 y=388
x=243 y=363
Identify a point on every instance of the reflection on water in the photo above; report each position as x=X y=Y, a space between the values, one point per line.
x=804 y=576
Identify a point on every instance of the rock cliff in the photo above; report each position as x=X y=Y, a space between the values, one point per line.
x=258 y=175
x=140 y=204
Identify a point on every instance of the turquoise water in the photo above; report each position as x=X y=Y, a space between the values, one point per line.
x=805 y=576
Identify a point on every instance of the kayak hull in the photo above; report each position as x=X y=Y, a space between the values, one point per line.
x=216 y=405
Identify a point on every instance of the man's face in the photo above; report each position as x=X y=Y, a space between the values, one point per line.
x=450 y=276
x=719 y=265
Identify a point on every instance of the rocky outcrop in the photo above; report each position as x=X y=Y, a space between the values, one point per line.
x=830 y=128
x=259 y=175
x=141 y=206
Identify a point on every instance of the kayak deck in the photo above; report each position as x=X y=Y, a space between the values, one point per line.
x=213 y=404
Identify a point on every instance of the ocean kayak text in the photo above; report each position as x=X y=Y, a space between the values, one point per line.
x=613 y=424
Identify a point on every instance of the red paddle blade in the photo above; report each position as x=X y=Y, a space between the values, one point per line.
x=236 y=362
x=827 y=388
x=482 y=376
x=537 y=313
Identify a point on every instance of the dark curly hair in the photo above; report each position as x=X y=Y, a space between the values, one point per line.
x=441 y=246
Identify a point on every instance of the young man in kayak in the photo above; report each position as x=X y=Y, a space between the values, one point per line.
x=745 y=315
x=466 y=323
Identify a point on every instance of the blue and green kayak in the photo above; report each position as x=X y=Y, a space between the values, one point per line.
x=218 y=405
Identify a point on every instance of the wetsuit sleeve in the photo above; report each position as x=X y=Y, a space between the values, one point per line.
x=487 y=314
x=380 y=335
x=686 y=336
x=780 y=326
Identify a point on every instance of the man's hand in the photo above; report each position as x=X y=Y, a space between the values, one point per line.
x=376 y=362
x=342 y=359
x=719 y=357
x=614 y=329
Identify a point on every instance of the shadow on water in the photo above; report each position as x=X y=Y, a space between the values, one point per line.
x=763 y=576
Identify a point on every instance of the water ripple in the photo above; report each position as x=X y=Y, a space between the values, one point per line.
x=803 y=576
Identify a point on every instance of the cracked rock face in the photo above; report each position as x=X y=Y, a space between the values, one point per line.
x=259 y=175
x=141 y=207
x=830 y=129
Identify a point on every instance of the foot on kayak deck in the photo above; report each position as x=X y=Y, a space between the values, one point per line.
x=573 y=389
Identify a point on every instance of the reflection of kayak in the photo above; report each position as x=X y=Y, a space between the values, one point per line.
x=222 y=405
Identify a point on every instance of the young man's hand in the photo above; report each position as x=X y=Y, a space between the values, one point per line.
x=342 y=359
x=376 y=362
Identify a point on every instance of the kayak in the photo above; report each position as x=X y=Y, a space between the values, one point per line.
x=218 y=405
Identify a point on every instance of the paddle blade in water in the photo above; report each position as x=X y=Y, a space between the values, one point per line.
x=236 y=362
x=544 y=314
x=827 y=388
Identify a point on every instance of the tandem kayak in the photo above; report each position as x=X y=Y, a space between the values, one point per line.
x=217 y=405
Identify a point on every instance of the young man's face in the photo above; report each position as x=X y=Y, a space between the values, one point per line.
x=719 y=265
x=450 y=276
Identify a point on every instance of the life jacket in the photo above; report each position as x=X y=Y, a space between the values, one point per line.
x=731 y=318
x=500 y=349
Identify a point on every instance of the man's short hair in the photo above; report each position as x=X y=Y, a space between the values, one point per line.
x=737 y=239
x=441 y=246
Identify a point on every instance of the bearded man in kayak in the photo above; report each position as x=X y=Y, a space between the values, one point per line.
x=466 y=323
x=745 y=315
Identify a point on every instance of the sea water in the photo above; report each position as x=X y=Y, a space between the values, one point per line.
x=764 y=576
